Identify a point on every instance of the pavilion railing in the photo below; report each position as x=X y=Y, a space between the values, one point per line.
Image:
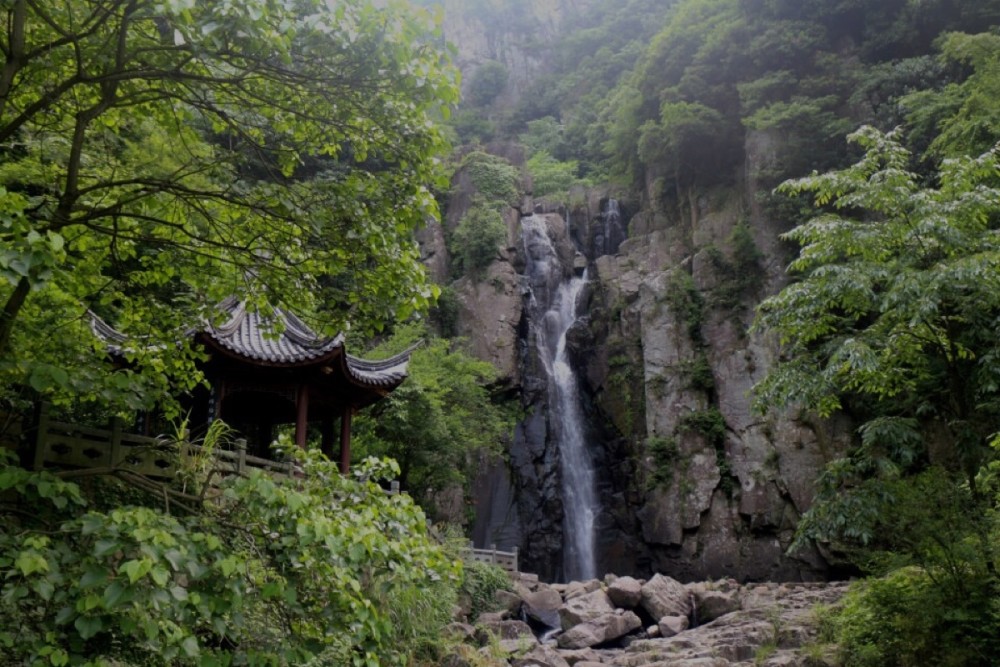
x=506 y=560
x=73 y=446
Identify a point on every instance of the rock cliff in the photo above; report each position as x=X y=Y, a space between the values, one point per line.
x=692 y=481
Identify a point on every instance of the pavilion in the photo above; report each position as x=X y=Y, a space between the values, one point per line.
x=259 y=378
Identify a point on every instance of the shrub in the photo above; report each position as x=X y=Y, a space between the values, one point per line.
x=907 y=619
x=476 y=238
x=497 y=180
x=481 y=582
x=269 y=571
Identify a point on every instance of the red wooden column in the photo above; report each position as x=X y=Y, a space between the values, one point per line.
x=302 y=415
x=345 y=440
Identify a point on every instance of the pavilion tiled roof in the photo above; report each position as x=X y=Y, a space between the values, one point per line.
x=251 y=336
x=248 y=334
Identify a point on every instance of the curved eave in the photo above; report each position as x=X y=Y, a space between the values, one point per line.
x=380 y=376
x=317 y=357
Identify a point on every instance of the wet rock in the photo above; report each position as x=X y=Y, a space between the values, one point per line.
x=600 y=630
x=625 y=592
x=541 y=656
x=672 y=625
x=585 y=608
x=541 y=606
x=663 y=596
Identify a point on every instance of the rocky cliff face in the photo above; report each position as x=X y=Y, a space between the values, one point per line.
x=514 y=34
x=692 y=481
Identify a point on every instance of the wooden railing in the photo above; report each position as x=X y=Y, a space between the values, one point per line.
x=504 y=559
x=74 y=446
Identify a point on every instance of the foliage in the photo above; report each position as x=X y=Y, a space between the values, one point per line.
x=906 y=620
x=666 y=455
x=486 y=83
x=550 y=176
x=961 y=117
x=158 y=156
x=799 y=75
x=440 y=421
x=270 y=572
x=481 y=582
x=482 y=230
x=709 y=423
x=477 y=237
x=897 y=306
x=893 y=317
x=496 y=179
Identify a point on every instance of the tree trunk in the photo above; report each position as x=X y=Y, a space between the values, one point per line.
x=10 y=311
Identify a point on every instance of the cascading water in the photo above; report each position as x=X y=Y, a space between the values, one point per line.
x=554 y=292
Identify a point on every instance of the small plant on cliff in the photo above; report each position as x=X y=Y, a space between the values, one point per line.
x=477 y=238
x=665 y=454
x=497 y=180
x=709 y=423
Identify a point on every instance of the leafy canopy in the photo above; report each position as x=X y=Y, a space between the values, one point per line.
x=893 y=316
x=159 y=155
x=441 y=421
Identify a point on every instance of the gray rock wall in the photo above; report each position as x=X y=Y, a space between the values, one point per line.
x=694 y=483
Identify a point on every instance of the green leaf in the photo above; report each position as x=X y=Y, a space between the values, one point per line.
x=190 y=647
x=95 y=575
x=113 y=594
x=135 y=569
x=106 y=546
x=88 y=626
x=160 y=575
x=30 y=562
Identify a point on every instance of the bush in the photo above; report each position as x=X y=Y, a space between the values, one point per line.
x=481 y=583
x=476 y=238
x=269 y=571
x=486 y=83
x=497 y=180
x=907 y=619
x=550 y=176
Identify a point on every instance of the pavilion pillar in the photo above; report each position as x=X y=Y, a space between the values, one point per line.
x=345 y=440
x=302 y=415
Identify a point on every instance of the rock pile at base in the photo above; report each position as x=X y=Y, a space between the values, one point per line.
x=625 y=622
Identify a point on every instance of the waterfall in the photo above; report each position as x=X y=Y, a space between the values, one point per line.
x=554 y=292
x=608 y=231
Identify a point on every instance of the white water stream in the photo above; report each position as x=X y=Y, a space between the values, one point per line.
x=565 y=419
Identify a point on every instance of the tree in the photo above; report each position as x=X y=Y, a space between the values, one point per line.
x=158 y=155
x=437 y=423
x=893 y=317
x=961 y=117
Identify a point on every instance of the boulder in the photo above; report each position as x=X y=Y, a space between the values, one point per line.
x=581 y=656
x=508 y=601
x=672 y=625
x=541 y=606
x=577 y=588
x=600 y=630
x=540 y=656
x=711 y=604
x=584 y=608
x=490 y=617
x=663 y=596
x=459 y=631
x=625 y=592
